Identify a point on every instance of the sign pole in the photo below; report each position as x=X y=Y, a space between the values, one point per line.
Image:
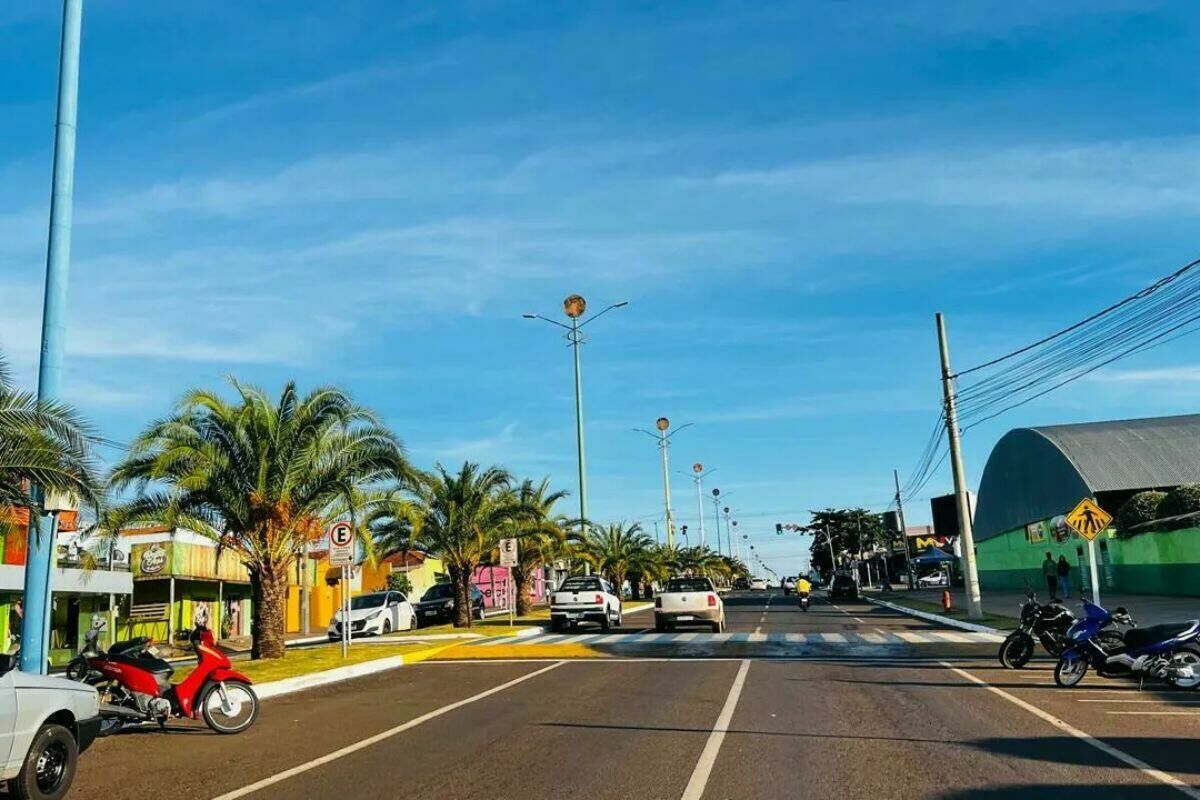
x=1092 y=570
x=512 y=600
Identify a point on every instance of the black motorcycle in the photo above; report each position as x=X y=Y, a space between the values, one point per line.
x=1046 y=623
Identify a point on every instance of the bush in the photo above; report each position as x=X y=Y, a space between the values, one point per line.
x=398 y=582
x=1184 y=500
x=1143 y=507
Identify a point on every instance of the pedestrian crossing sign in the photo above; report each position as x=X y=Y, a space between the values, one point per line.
x=1089 y=519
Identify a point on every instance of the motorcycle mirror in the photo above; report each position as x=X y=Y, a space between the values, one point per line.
x=1122 y=611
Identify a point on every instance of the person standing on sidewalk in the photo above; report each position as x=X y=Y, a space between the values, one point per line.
x=1050 y=570
x=1064 y=577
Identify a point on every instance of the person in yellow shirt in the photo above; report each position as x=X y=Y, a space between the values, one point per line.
x=803 y=587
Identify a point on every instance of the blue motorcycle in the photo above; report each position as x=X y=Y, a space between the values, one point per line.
x=1168 y=652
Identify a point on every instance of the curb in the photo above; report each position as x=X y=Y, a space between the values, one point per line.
x=314 y=680
x=938 y=618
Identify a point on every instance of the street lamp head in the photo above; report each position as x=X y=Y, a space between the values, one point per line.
x=716 y=492
x=575 y=306
x=726 y=509
x=662 y=423
x=621 y=304
x=529 y=316
x=697 y=468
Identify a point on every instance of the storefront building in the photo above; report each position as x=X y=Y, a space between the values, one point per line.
x=174 y=572
x=88 y=586
x=1034 y=476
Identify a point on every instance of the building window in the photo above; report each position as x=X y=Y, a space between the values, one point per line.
x=1034 y=533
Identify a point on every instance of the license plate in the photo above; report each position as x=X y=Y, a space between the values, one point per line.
x=685 y=618
x=431 y=613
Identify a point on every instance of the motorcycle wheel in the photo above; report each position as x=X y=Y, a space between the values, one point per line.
x=77 y=670
x=1016 y=650
x=1068 y=672
x=234 y=717
x=1188 y=656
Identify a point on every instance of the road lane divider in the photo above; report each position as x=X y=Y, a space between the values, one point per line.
x=370 y=741
x=712 y=748
x=1165 y=778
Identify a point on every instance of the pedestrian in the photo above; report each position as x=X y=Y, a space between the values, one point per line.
x=1050 y=570
x=16 y=619
x=1064 y=577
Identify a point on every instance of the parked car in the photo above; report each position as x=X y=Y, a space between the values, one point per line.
x=758 y=585
x=933 y=579
x=689 y=601
x=375 y=614
x=844 y=587
x=789 y=585
x=437 y=604
x=741 y=583
x=45 y=723
x=585 y=598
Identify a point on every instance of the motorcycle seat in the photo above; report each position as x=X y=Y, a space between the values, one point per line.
x=123 y=648
x=1137 y=638
x=155 y=666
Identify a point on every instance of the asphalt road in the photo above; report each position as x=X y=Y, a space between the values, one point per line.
x=836 y=720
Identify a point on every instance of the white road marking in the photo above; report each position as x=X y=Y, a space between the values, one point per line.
x=708 y=756
x=1104 y=747
x=909 y=636
x=757 y=637
x=758 y=630
x=833 y=637
x=794 y=637
x=1144 y=702
x=1153 y=714
x=577 y=639
x=379 y=737
x=947 y=636
x=685 y=637
x=616 y=637
x=873 y=638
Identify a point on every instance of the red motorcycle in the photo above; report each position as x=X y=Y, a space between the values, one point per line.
x=135 y=685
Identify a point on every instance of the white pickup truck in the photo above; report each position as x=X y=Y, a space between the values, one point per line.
x=45 y=723
x=689 y=601
x=585 y=598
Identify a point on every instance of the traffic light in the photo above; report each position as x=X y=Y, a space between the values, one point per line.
x=778 y=528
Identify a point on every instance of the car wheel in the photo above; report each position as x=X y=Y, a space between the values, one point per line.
x=660 y=627
x=606 y=621
x=716 y=627
x=387 y=627
x=49 y=766
x=620 y=618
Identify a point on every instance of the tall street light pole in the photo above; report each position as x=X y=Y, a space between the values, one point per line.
x=35 y=629
x=698 y=475
x=663 y=437
x=716 y=498
x=575 y=307
x=966 y=534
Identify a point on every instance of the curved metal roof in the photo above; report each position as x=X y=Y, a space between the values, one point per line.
x=1037 y=473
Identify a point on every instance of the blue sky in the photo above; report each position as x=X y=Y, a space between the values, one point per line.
x=372 y=193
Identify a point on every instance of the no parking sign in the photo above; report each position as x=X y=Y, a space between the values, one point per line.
x=341 y=544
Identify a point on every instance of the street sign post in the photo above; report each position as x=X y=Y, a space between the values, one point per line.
x=508 y=558
x=1089 y=520
x=341 y=554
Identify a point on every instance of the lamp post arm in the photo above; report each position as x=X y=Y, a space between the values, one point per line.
x=621 y=304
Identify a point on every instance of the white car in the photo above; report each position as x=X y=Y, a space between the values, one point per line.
x=934 y=579
x=585 y=598
x=692 y=601
x=789 y=585
x=758 y=585
x=45 y=723
x=375 y=614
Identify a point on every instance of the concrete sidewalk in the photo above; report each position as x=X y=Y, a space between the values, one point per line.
x=1147 y=609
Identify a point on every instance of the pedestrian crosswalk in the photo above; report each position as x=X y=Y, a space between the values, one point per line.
x=846 y=638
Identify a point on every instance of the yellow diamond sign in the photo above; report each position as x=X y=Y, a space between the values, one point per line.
x=1088 y=519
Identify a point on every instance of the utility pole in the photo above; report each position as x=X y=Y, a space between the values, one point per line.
x=42 y=544
x=832 y=557
x=903 y=529
x=966 y=534
x=716 y=498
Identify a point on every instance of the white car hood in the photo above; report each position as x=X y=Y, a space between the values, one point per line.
x=28 y=680
x=358 y=613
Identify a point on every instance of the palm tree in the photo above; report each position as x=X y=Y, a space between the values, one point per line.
x=260 y=477
x=540 y=536
x=460 y=518
x=699 y=560
x=615 y=551
x=45 y=444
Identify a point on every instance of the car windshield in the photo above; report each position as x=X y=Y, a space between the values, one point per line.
x=439 y=591
x=580 y=585
x=689 y=585
x=843 y=580
x=367 y=601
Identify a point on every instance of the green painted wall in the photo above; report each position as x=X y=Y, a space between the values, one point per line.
x=1152 y=563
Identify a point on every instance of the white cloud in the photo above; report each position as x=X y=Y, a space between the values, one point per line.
x=1180 y=374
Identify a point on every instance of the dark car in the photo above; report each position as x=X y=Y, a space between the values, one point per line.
x=741 y=583
x=844 y=587
x=437 y=604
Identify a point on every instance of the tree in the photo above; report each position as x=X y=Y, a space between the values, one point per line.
x=460 y=519
x=614 y=550
x=853 y=531
x=261 y=477
x=540 y=537
x=42 y=443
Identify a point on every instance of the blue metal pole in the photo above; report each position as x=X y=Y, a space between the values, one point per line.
x=38 y=566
